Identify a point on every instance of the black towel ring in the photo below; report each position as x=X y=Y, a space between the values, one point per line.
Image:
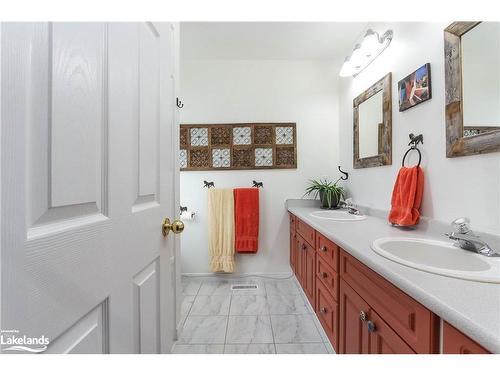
x=419 y=156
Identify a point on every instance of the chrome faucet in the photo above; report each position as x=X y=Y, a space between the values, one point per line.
x=466 y=239
x=351 y=207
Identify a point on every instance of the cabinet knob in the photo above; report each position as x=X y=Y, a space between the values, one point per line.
x=324 y=249
x=362 y=316
x=324 y=275
x=371 y=326
x=323 y=310
x=304 y=246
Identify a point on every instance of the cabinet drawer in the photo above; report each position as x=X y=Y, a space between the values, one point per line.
x=328 y=277
x=327 y=310
x=305 y=231
x=328 y=251
x=455 y=342
x=417 y=325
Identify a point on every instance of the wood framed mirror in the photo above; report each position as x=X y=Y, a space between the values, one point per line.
x=472 y=81
x=372 y=125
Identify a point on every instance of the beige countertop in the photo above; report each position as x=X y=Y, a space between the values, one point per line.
x=472 y=307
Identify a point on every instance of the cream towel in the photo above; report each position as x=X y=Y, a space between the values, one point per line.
x=221 y=229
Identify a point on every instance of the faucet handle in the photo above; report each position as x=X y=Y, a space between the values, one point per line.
x=461 y=225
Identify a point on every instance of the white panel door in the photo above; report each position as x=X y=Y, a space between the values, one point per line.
x=88 y=172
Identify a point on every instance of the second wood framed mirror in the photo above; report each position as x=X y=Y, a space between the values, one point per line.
x=472 y=79
x=372 y=125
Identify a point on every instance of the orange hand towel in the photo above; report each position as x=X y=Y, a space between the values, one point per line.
x=407 y=196
x=246 y=219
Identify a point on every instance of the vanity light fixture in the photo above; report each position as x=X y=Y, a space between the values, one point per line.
x=363 y=54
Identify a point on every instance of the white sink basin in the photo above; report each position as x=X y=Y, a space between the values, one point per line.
x=336 y=215
x=439 y=257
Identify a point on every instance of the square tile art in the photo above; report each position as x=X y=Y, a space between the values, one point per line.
x=220 y=136
x=243 y=158
x=285 y=156
x=264 y=157
x=242 y=135
x=183 y=158
x=200 y=158
x=284 y=135
x=199 y=136
x=263 y=135
x=221 y=158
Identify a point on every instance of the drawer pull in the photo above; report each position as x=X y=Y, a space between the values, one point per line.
x=304 y=246
x=362 y=316
x=371 y=326
x=323 y=310
x=324 y=275
x=324 y=249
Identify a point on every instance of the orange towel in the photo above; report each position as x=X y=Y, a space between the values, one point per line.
x=246 y=219
x=407 y=196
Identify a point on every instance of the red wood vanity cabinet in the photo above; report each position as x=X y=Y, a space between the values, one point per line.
x=360 y=311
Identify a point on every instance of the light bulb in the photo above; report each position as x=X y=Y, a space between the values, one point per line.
x=357 y=57
x=346 y=70
x=371 y=44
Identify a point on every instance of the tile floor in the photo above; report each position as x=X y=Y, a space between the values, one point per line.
x=274 y=318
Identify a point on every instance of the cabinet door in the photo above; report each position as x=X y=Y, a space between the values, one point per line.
x=293 y=253
x=383 y=340
x=455 y=342
x=353 y=333
x=299 y=260
x=310 y=273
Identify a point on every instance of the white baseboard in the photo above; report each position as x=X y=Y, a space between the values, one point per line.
x=281 y=275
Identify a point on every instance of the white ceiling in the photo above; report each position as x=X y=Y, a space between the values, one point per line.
x=269 y=40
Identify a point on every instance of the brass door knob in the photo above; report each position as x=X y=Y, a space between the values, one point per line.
x=176 y=226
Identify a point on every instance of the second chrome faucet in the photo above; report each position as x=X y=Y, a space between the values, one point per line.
x=467 y=240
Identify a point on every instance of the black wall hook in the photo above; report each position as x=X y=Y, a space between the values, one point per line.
x=345 y=174
x=414 y=141
x=183 y=209
x=179 y=103
x=257 y=184
x=208 y=184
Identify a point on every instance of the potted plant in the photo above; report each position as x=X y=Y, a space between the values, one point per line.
x=329 y=192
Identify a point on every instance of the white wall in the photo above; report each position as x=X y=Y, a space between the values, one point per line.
x=225 y=91
x=464 y=186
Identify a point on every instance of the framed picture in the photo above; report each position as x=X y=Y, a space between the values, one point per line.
x=415 y=88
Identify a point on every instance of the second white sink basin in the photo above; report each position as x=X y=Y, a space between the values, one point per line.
x=336 y=215
x=439 y=257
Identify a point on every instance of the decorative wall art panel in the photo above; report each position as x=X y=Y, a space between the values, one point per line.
x=238 y=146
